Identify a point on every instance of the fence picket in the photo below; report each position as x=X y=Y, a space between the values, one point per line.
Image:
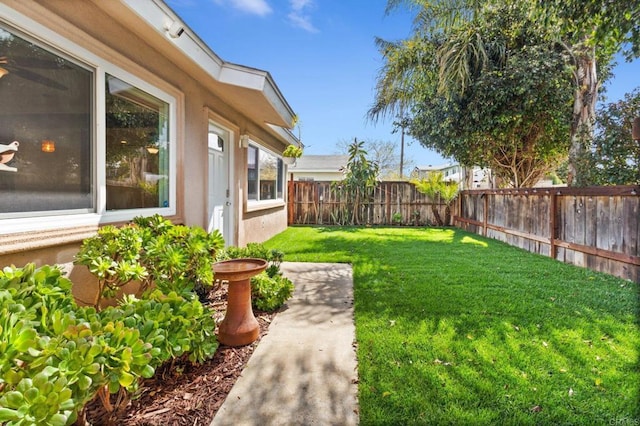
x=594 y=227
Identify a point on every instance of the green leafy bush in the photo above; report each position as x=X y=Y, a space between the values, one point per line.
x=150 y=250
x=270 y=293
x=172 y=324
x=269 y=290
x=396 y=218
x=113 y=256
x=55 y=356
x=178 y=257
x=33 y=302
x=38 y=400
x=256 y=251
x=41 y=380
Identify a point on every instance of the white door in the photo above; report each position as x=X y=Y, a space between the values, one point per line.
x=219 y=196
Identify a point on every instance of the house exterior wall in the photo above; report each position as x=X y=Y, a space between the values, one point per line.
x=257 y=224
x=110 y=31
x=456 y=173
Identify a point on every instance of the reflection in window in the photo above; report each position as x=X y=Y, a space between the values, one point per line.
x=45 y=130
x=137 y=151
x=264 y=175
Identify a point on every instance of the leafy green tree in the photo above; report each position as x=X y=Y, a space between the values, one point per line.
x=614 y=157
x=486 y=89
x=591 y=32
x=588 y=32
x=359 y=182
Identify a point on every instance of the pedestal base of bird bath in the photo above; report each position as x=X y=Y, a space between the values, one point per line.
x=239 y=327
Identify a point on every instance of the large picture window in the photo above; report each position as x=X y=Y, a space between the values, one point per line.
x=46 y=138
x=59 y=158
x=265 y=175
x=137 y=139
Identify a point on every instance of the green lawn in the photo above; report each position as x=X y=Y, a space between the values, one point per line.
x=456 y=329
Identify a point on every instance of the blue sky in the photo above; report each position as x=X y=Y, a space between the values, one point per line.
x=322 y=56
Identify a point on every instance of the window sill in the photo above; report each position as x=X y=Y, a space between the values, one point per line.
x=26 y=241
x=254 y=206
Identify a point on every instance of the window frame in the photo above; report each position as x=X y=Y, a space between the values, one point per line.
x=52 y=41
x=101 y=204
x=252 y=205
x=60 y=53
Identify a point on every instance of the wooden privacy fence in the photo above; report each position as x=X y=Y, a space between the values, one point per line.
x=595 y=227
x=393 y=203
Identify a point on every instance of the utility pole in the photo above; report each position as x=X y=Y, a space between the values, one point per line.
x=401 y=151
x=635 y=134
x=402 y=123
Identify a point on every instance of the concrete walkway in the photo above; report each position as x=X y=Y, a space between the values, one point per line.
x=304 y=370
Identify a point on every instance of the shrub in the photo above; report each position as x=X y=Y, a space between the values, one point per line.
x=269 y=290
x=172 y=324
x=113 y=257
x=270 y=293
x=55 y=356
x=396 y=218
x=257 y=251
x=151 y=250
x=46 y=359
x=178 y=257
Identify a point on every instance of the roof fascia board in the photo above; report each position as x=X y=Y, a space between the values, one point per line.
x=255 y=79
x=285 y=134
x=276 y=99
x=160 y=17
x=238 y=75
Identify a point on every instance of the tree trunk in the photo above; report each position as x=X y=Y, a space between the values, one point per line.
x=467 y=177
x=436 y=215
x=584 y=111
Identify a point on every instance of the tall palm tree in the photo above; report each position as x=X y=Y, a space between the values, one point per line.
x=409 y=63
x=452 y=64
x=404 y=68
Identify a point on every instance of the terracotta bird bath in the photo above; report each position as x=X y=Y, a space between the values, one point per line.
x=239 y=327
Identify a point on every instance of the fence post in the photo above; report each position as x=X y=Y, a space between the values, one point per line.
x=552 y=224
x=485 y=219
x=316 y=201
x=458 y=205
x=387 y=219
x=290 y=197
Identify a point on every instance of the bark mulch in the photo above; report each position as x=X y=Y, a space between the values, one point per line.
x=182 y=393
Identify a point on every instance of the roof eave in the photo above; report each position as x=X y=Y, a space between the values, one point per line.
x=273 y=107
x=285 y=134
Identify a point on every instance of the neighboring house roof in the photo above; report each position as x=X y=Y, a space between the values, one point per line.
x=431 y=168
x=249 y=90
x=319 y=163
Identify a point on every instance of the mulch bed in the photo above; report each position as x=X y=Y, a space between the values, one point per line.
x=182 y=393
